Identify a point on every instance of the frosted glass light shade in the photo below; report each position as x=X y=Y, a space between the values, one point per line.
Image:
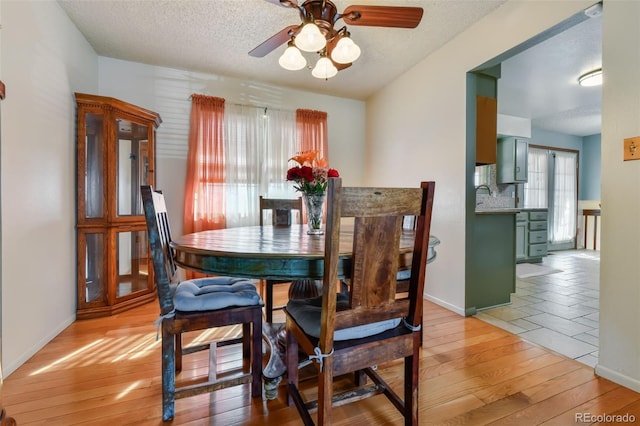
x=346 y=51
x=593 y=78
x=310 y=39
x=324 y=69
x=292 y=59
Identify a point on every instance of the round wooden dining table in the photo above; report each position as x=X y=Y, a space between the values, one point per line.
x=271 y=252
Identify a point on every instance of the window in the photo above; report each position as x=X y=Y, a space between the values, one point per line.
x=239 y=152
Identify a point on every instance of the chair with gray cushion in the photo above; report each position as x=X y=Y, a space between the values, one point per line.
x=371 y=324
x=199 y=304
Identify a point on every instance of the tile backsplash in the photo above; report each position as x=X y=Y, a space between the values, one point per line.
x=502 y=196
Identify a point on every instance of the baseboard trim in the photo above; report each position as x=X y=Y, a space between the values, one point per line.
x=446 y=305
x=617 y=377
x=10 y=367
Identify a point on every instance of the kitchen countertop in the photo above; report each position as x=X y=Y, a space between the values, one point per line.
x=500 y=210
x=534 y=209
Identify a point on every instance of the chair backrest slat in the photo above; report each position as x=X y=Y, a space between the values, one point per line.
x=375 y=260
x=280 y=210
x=164 y=267
x=378 y=226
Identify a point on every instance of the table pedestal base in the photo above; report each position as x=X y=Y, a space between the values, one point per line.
x=274 y=335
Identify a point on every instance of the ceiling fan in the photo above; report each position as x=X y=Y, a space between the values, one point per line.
x=317 y=33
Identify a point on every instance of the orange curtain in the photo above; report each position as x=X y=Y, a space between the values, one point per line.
x=312 y=131
x=204 y=190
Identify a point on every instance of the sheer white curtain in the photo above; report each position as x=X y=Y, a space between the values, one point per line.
x=564 y=197
x=258 y=143
x=281 y=144
x=536 y=189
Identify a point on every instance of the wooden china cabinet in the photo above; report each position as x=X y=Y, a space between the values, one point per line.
x=115 y=155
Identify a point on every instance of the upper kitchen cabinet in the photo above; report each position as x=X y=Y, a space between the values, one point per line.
x=115 y=156
x=486 y=130
x=512 y=160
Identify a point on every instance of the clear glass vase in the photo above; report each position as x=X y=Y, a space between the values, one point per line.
x=314 y=204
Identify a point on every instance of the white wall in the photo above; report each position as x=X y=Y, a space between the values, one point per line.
x=416 y=128
x=166 y=91
x=619 y=275
x=44 y=60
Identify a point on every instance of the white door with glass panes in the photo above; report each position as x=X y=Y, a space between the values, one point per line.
x=553 y=184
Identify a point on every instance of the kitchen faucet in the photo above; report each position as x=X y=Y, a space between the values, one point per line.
x=484 y=187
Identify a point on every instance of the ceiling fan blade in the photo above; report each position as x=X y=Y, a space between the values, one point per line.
x=284 y=3
x=383 y=16
x=273 y=42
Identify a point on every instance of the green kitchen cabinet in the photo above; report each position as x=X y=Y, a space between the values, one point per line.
x=531 y=235
x=512 y=155
x=522 y=236
x=491 y=271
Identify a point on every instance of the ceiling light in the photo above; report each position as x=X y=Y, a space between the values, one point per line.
x=324 y=69
x=594 y=11
x=592 y=78
x=292 y=59
x=346 y=51
x=310 y=39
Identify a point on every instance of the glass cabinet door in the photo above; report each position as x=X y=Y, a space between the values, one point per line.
x=92 y=268
x=132 y=156
x=132 y=263
x=94 y=157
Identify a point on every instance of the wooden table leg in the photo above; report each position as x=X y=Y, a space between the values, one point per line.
x=586 y=218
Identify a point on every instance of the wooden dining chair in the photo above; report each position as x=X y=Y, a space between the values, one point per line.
x=281 y=215
x=199 y=304
x=281 y=210
x=369 y=325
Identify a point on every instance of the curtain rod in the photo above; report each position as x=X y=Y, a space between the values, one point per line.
x=265 y=108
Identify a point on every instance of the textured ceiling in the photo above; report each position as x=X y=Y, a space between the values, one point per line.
x=215 y=36
x=542 y=82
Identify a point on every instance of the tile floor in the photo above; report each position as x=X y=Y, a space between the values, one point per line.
x=558 y=311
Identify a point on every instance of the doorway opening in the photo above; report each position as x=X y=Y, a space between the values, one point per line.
x=558 y=305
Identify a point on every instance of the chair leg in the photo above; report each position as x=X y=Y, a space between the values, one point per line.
x=411 y=371
x=168 y=372
x=325 y=392
x=256 y=354
x=292 y=366
x=178 y=351
x=269 y=301
x=247 y=336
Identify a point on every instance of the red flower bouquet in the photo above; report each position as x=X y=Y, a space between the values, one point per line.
x=311 y=173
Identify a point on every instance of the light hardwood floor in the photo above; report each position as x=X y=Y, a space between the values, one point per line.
x=107 y=372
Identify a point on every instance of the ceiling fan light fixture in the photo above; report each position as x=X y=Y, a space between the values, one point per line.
x=310 y=39
x=324 y=69
x=346 y=51
x=592 y=78
x=292 y=59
